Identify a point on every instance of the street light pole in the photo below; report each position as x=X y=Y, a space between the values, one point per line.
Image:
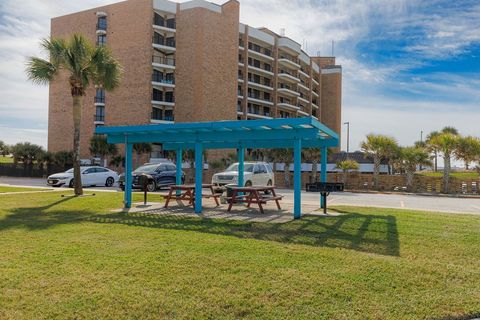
x=421 y=136
x=348 y=137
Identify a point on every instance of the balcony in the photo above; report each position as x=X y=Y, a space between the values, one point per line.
x=259 y=100
x=167 y=45
x=99 y=118
x=288 y=63
x=160 y=101
x=168 y=28
x=287 y=90
x=159 y=117
x=252 y=83
x=303 y=86
x=258 y=52
x=159 y=81
x=302 y=99
x=287 y=76
x=303 y=113
x=99 y=101
x=287 y=106
x=315 y=94
x=303 y=73
x=163 y=63
x=260 y=70
x=259 y=116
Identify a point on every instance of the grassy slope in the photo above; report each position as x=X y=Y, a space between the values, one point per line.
x=4 y=189
x=73 y=257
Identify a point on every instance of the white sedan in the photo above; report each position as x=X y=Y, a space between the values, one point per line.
x=91 y=176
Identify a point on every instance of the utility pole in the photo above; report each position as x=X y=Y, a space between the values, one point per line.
x=348 y=137
x=421 y=136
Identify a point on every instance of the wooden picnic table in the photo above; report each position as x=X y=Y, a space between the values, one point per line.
x=187 y=192
x=255 y=195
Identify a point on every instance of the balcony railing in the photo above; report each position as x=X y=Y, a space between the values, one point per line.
x=163 y=60
x=99 y=117
x=161 y=99
x=160 y=116
x=99 y=99
x=164 y=42
x=159 y=78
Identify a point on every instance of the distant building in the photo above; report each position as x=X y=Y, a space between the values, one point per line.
x=191 y=61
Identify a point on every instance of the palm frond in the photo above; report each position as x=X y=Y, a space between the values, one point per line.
x=55 y=48
x=40 y=71
x=105 y=70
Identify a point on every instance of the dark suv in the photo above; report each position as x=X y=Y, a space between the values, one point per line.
x=159 y=175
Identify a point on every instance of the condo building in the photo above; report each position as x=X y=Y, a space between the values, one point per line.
x=188 y=62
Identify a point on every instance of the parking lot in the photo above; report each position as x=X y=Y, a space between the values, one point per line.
x=399 y=201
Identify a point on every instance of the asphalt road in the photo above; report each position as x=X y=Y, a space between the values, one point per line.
x=400 y=201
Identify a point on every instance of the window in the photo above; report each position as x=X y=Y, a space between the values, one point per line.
x=267 y=52
x=158 y=20
x=256 y=63
x=157 y=95
x=100 y=170
x=169 y=78
x=266 y=95
x=102 y=23
x=158 y=38
x=256 y=78
x=101 y=40
x=169 y=115
x=99 y=113
x=169 y=96
x=171 y=23
x=266 y=82
x=170 y=42
x=171 y=167
x=100 y=95
x=156 y=114
x=157 y=76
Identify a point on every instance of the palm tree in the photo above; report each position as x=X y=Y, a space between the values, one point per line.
x=346 y=166
x=141 y=148
x=26 y=152
x=286 y=156
x=379 y=147
x=83 y=64
x=446 y=144
x=312 y=155
x=63 y=158
x=468 y=149
x=411 y=158
x=99 y=147
x=433 y=148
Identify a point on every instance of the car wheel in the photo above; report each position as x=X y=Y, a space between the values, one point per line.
x=110 y=181
x=151 y=186
x=269 y=183
x=248 y=184
x=70 y=184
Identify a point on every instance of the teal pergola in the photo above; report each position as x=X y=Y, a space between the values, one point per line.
x=296 y=133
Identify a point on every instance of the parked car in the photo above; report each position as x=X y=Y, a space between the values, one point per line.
x=254 y=174
x=91 y=176
x=159 y=175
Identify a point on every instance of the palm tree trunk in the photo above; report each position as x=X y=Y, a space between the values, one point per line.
x=314 y=171
x=286 y=172
x=410 y=174
x=77 y=118
x=376 y=170
x=446 y=172
x=436 y=159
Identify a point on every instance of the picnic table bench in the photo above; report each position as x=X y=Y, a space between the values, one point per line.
x=187 y=192
x=256 y=195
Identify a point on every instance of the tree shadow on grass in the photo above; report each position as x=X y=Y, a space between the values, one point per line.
x=350 y=230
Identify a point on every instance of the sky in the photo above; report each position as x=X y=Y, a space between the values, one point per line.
x=408 y=66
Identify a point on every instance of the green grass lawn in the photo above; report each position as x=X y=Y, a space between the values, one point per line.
x=65 y=258
x=6 y=159
x=4 y=189
x=458 y=175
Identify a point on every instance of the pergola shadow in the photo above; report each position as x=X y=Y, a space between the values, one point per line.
x=349 y=230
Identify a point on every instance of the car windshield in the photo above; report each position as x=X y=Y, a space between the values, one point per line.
x=146 y=169
x=69 y=171
x=234 y=167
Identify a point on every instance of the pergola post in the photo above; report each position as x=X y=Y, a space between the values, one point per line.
x=198 y=176
x=323 y=171
x=297 y=179
x=128 y=175
x=178 y=173
x=241 y=166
